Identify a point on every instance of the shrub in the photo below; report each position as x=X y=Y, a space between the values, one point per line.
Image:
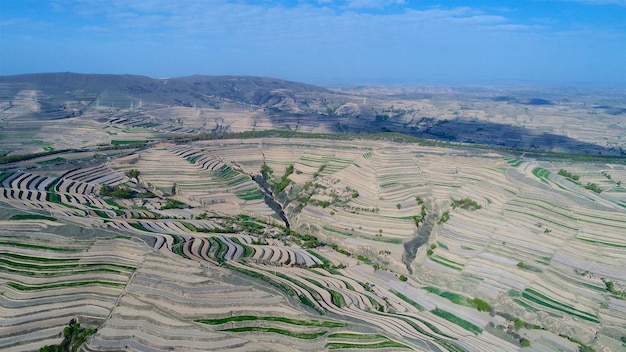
x=174 y=204
x=481 y=305
x=444 y=217
x=117 y=191
x=593 y=187
x=266 y=169
x=466 y=203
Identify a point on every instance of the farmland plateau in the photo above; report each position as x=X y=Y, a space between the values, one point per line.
x=242 y=213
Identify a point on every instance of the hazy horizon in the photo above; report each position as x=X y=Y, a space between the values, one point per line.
x=358 y=42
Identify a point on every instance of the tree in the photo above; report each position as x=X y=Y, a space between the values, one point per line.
x=402 y=277
x=524 y=342
x=133 y=173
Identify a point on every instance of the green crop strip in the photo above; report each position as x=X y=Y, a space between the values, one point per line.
x=222 y=248
x=300 y=335
x=407 y=300
x=60 y=273
x=569 y=216
x=541 y=218
x=247 y=250
x=330 y=229
x=265 y=278
x=382 y=239
x=112 y=203
x=32 y=217
x=546 y=301
x=4 y=175
x=456 y=320
x=446 y=263
x=601 y=242
x=448 y=345
x=56 y=160
x=526 y=305
x=311 y=291
x=319 y=256
x=21 y=287
x=59 y=266
x=139 y=226
x=336 y=296
x=35 y=246
x=455 y=298
x=39 y=259
x=250 y=194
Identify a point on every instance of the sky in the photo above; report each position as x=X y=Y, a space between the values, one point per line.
x=325 y=42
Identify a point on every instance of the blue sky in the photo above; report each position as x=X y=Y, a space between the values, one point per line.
x=398 y=42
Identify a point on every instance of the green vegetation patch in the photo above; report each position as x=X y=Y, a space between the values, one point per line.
x=68 y=264
x=250 y=194
x=299 y=335
x=113 y=203
x=171 y=203
x=336 y=296
x=36 y=246
x=514 y=162
x=465 y=203
x=32 y=217
x=247 y=250
x=73 y=337
x=127 y=142
x=263 y=277
x=546 y=301
x=444 y=217
x=320 y=257
x=21 y=287
x=593 y=187
x=407 y=300
x=456 y=320
x=455 y=298
x=446 y=262
x=448 y=345
x=541 y=173
x=525 y=266
x=568 y=174
x=57 y=160
x=4 y=175
x=39 y=259
x=610 y=244
x=382 y=239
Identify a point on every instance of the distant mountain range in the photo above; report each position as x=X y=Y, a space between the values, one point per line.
x=169 y=91
x=66 y=95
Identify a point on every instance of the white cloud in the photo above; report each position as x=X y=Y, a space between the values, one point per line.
x=361 y=4
x=600 y=2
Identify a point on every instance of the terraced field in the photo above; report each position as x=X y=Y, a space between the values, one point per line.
x=391 y=246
